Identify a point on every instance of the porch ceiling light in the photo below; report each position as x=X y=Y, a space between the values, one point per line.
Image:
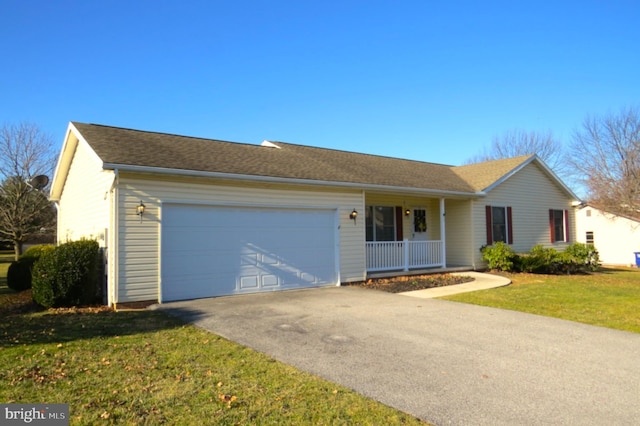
x=140 y=210
x=353 y=215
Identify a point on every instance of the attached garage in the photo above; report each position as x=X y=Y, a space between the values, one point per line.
x=211 y=251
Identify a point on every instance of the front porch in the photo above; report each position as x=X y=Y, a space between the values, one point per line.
x=404 y=255
x=393 y=258
x=407 y=235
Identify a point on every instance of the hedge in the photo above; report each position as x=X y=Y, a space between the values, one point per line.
x=576 y=258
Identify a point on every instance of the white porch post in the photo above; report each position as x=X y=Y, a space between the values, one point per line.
x=443 y=233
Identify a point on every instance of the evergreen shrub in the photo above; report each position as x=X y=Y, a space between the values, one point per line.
x=499 y=256
x=19 y=272
x=67 y=276
x=575 y=258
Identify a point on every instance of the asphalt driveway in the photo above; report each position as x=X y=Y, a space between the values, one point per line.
x=444 y=362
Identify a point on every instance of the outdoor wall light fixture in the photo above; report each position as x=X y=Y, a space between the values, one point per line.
x=407 y=212
x=353 y=215
x=140 y=210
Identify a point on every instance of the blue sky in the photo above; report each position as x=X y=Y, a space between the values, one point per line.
x=427 y=80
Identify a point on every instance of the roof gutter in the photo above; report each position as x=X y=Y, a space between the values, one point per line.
x=274 y=179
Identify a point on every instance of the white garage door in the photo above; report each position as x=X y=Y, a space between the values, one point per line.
x=215 y=251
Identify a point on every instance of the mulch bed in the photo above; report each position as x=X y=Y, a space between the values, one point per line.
x=411 y=283
x=22 y=303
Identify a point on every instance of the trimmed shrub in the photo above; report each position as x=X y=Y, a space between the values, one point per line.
x=584 y=257
x=19 y=272
x=35 y=252
x=542 y=260
x=575 y=258
x=68 y=275
x=499 y=256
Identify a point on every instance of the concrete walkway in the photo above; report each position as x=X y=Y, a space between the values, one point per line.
x=481 y=282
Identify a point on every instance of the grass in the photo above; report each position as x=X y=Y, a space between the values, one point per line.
x=144 y=367
x=609 y=298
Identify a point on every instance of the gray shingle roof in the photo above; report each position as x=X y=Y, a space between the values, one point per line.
x=127 y=147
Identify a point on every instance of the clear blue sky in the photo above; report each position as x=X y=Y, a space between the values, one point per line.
x=426 y=80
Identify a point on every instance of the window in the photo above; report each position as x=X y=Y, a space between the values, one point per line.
x=499 y=224
x=559 y=225
x=419 y=220
x=380 y=223
x=589 y=238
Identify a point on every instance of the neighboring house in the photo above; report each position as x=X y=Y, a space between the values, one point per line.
x=224 y=218
x=617 y=238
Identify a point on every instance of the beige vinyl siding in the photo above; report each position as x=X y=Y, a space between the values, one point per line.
x=616 y=238
x=530 y=193
x=83 y=210
x=139 y=242
x=458 y=232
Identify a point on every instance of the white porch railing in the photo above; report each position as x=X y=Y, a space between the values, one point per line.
x=405 y=255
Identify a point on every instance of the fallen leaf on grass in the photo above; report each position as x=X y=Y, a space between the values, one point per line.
x=228 y=399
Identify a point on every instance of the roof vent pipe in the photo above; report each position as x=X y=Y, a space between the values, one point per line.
x=269 y=144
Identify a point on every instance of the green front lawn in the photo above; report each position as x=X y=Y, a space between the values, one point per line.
x=610 y=298
x=144 y=367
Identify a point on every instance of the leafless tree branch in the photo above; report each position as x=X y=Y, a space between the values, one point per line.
x=25 y=152
x=517 y=142
x=605 y=156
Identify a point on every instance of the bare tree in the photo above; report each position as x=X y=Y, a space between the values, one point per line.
x=517 y=142
x=605 y=155
x=25 y=152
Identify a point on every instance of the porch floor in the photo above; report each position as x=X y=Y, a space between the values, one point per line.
x=424 y=271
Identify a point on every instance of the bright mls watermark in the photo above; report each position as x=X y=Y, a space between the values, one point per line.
x=35 y=414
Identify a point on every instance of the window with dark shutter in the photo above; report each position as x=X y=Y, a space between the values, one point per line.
x=499 y=224
x=380 y=223
x=559 y=225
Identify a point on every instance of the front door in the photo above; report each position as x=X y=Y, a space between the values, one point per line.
x=419 y=224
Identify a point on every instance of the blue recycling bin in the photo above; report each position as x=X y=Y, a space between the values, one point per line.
x=637 y=253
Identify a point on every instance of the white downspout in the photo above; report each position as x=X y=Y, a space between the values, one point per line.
x=473 y=236
x=56 y=204
x=112 y=256
x=443 y=234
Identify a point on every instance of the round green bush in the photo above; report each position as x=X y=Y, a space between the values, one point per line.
x=68 y=275
x=499 y=256
x=37 y=251
x=19 y=274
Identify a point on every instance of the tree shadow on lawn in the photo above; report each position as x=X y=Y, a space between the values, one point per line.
x=59 y=326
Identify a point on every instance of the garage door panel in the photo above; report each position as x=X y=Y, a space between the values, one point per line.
x=270 y=281
x=249 y=282
x=214 y=251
